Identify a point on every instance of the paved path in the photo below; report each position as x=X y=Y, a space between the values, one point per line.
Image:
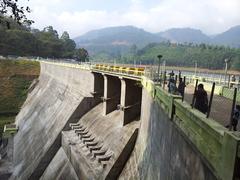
x=221 y=106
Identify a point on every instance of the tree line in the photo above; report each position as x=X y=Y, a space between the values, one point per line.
x=20 y=40
x=206 y=56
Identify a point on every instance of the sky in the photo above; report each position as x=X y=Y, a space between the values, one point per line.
x=80 y=16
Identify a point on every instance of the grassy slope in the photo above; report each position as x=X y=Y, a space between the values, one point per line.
x=15 y=78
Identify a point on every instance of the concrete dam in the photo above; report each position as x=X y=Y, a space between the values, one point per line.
x=106 y=123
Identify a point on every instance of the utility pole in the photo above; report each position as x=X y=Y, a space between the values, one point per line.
x=159 y=61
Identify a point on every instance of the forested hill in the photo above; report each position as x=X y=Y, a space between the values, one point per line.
x=183 y=35
x=114 y=41
x=230 y=37
x=125 y=36
x=207 y=56
x=179 y=46
x=23 y=41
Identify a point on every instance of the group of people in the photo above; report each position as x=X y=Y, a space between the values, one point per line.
x=172 y=87
x=200 y=99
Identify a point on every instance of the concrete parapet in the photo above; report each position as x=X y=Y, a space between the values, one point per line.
x=217 y=145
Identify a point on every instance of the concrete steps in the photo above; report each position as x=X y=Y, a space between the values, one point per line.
x=93 y=147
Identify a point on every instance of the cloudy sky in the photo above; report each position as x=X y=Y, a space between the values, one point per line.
x=79 y=16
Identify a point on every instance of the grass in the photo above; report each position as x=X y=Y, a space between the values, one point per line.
x=15 y=78
x=5 y=120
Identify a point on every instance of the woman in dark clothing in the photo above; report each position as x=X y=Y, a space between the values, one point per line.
x=181 y=87
x=201 y=99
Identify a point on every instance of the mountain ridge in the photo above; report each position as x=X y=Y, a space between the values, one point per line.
x=120 y=38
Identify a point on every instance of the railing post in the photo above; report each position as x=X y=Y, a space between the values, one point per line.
x=184 y=82
x=164 y=79
x=210 y=101
x=233 y=107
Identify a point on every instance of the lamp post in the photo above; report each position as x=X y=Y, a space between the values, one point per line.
x=195 y=69
x=159 y=61
x=226 y=68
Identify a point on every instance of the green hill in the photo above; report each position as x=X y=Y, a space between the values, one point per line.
x=207 y=56
x=15 y=76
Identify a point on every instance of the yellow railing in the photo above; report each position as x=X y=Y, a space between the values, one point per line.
x=136 y=71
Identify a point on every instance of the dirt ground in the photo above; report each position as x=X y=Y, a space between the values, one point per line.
x=221 y=106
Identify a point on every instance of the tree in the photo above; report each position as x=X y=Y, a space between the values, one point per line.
x=14 y=11
x=68 y=45
x=65 y=36
x=81 y=55
x=51 y=32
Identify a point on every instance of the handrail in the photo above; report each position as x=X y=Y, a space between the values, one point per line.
x=132 y=71
x=136 y=71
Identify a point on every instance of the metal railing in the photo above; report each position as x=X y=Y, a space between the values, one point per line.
x=135 y=71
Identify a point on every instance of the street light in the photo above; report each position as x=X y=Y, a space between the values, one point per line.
x=195 y=68
x=226 y=68
x=159 y=60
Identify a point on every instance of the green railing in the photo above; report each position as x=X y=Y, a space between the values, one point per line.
x=228 y=93
x=218 y=146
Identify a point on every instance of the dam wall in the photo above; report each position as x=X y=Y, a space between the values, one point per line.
x=73 y=127
x=62 y=95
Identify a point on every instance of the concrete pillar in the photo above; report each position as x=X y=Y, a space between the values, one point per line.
x=131 y=95
x=98 y=85
x=112 y=93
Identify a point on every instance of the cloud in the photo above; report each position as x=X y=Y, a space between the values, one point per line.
x=211 y=16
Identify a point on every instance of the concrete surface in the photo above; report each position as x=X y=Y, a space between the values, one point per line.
x=162 y=151
x=112 y=93
x=59 y=168
x=131 y=96
x=99 y=145
x=48 y=109
x=116 y=142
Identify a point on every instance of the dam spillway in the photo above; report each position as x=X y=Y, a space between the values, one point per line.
x=94 y=124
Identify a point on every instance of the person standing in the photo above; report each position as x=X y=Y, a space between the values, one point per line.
x=181 y=86
x=201 y=99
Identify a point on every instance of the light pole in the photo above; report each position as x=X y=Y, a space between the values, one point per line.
x=226 y=68
x=195 y=68
x=159 y=61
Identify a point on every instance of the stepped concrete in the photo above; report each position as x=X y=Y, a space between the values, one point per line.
x=104 y=152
